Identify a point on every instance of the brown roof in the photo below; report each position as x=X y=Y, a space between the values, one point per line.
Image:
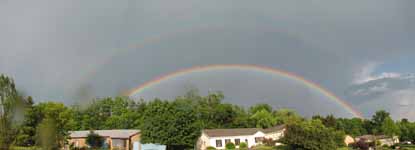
x=372 y=137
x=124 y=134
x=240 y=131
x=230 y=132
x=274 y=129
x=367 y=137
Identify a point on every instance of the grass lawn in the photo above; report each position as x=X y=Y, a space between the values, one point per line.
x=24 y=148
x=407 y=147
x=344 y=148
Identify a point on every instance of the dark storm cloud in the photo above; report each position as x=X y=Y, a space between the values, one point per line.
x=58 y=50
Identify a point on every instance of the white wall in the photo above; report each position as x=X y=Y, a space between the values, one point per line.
x=250 y=138
x=203 y=142
x=275 y=135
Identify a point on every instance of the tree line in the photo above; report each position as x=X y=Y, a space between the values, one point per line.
x=176 y=123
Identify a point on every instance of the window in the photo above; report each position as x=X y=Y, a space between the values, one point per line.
x=258 y=139
x=227 y=141
x=76 y=143
x=237 y=141
x=218 y=143
x=118 y=143
x=246 y=141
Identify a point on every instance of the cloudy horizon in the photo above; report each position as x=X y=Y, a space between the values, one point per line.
x=67 y=51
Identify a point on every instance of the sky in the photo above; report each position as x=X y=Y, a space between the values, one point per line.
x=70 y=51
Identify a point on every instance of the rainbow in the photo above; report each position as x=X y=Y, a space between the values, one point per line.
x=259 y=68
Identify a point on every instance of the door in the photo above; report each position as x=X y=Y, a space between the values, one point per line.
x=136 y=146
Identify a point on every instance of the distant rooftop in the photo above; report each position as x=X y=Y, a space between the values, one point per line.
x=230 y=132
x=240 y=131
x=273 y=129
x=124 y=134
x=373 y=137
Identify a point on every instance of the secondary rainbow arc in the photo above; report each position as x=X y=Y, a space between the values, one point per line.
x=265 y=69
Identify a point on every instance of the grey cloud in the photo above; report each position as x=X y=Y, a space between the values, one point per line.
x=399 y=103
x=59 y=50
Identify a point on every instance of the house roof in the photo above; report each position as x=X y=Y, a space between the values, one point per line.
x=273 y=129
x=372 y=137
x=106 y=133
x=240 y=131
x=230 y=132
x=367 y=137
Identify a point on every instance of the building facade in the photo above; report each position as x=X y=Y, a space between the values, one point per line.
x=382 y=139
x=113 y=139
x=348 y=140
x=218 y=138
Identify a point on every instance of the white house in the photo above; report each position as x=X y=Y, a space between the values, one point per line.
x=274 y=133
x=218 y=138
x=383 y=139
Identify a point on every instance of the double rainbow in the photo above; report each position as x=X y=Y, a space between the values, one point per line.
x=258 y=68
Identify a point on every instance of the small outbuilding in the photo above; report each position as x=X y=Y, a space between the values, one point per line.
x=113 y=139
x=348 y=140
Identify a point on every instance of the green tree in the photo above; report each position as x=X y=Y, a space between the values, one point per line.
x=378 y=119
x=94 y=140
x=242 y=118
x=369 y=126
x=9 y=106
x=110 y=113
x=263 y=119
x=330 y=121
x=46 y=135
x=339 y=137
x=57 y=118
x=389 y=127
x=407 y=130
x=353 y=126
x=173 y=124
x=27 y=131
x=214 y=114
x=310 y=135
x=287 y=116
x=124 y=114
x=259 y=107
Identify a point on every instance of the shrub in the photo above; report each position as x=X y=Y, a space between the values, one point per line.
x=282 y=147
x=263 y=147
x=94 y=140
x=230 y=146
x=210 y=148
x=243 y=146
x=269 y=142
x=361 y=144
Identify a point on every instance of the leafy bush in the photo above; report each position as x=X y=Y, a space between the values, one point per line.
x=263 y=147
x=94 y=140
x=269 y=142
x=210 y=148
x=230 y=146
x=361 y=144
x=282 y=147
x=243 y=146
